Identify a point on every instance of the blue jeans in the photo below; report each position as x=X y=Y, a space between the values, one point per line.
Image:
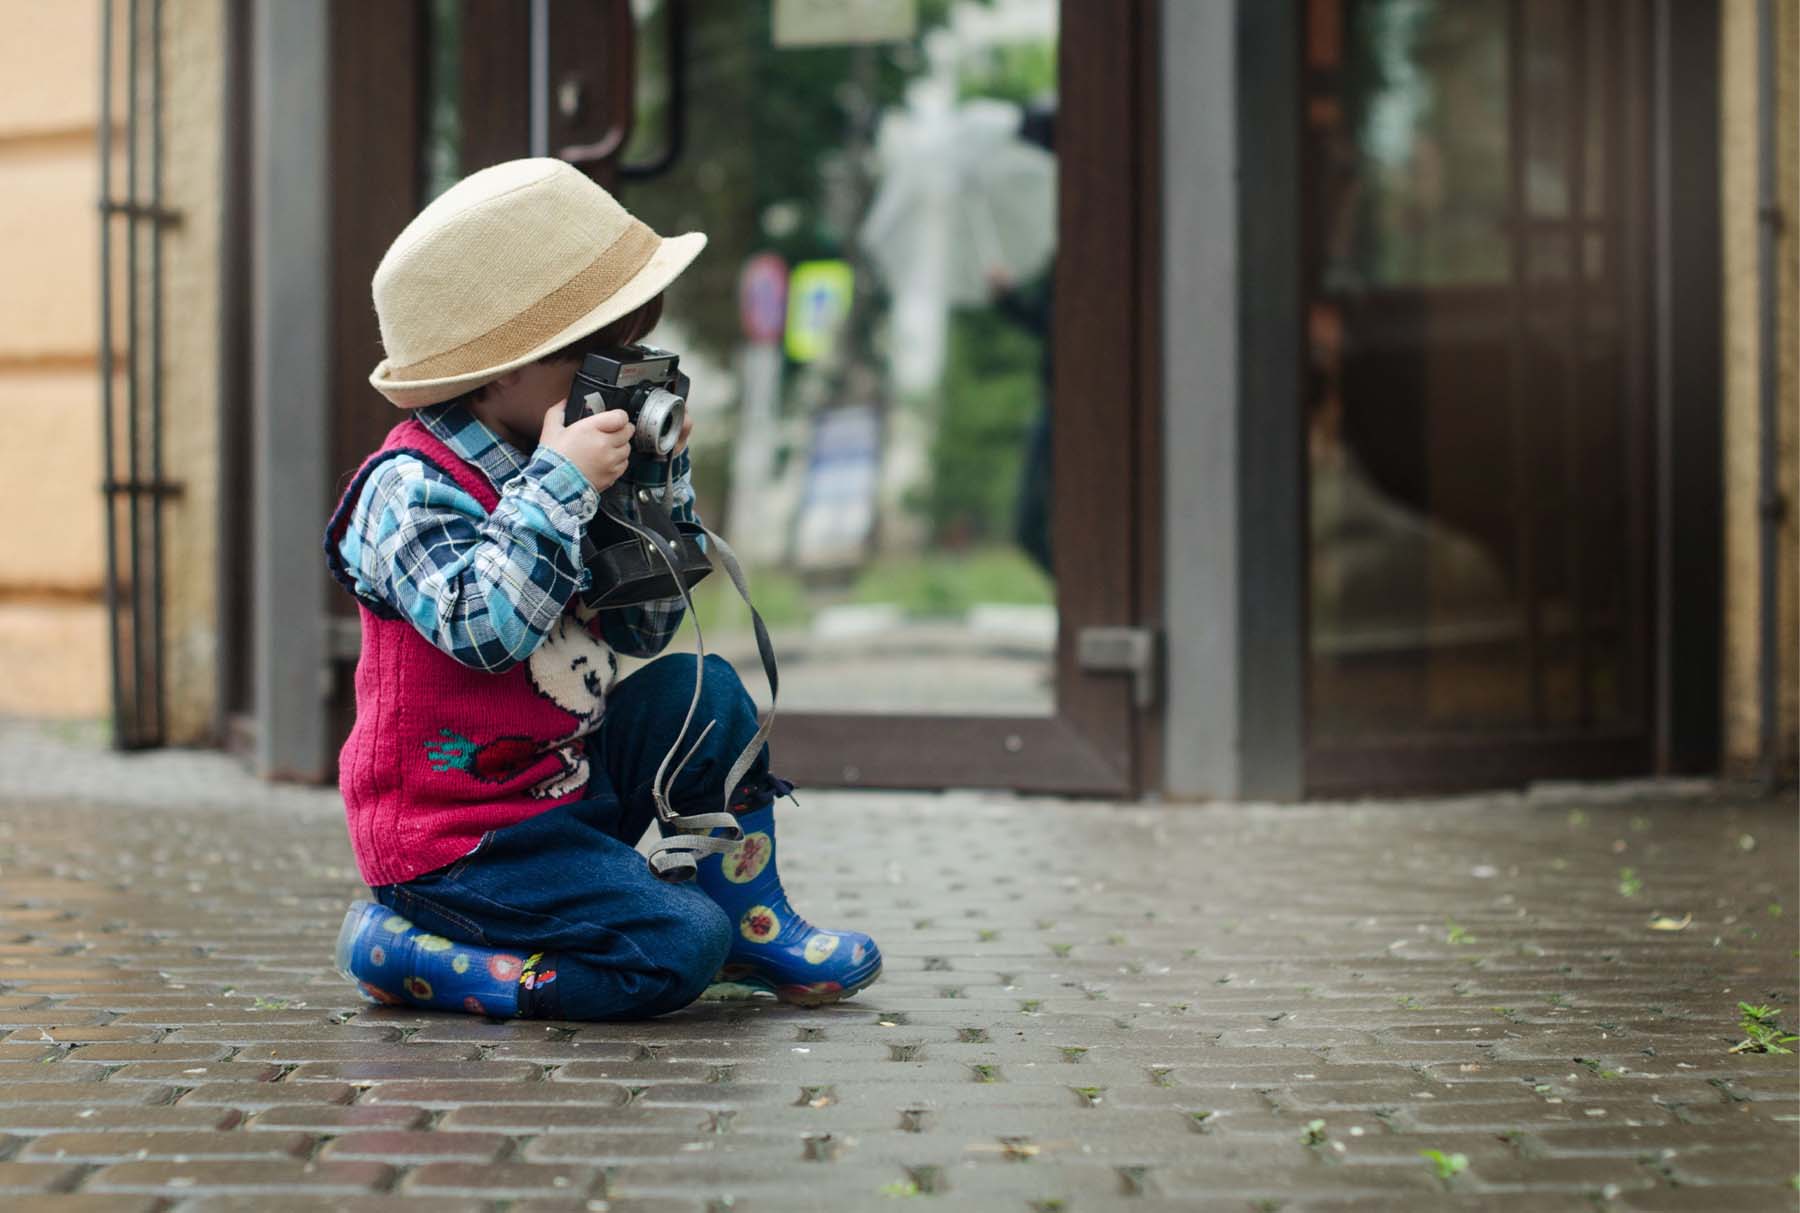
x=569 y=882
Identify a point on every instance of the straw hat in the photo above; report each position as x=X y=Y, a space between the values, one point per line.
x=505 y=266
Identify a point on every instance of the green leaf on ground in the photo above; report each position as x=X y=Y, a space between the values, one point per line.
x=1448 y=1166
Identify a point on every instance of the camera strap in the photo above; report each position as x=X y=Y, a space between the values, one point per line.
x=675 y=857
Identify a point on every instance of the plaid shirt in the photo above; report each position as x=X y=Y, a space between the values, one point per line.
x=486 y=588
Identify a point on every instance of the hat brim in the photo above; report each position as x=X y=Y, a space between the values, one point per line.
x=673 y=255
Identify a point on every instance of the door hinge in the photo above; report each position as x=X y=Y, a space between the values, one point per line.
x=1123 y=650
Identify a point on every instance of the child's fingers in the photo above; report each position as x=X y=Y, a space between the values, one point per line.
x=611 y=420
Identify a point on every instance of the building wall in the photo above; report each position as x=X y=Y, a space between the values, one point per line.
x=1743 y=430
x=53 y=635
x=52 y=631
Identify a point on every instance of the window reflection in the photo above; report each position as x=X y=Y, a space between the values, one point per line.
x=1468 y=429
x=883 y=463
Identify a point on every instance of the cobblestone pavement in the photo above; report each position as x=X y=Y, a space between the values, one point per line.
x=1085 y=1006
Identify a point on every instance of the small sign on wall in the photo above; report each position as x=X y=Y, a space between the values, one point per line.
x=843 y=22
x=819 y=294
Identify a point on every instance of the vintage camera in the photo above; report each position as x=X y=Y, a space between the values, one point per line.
x=641 y=553
x=644 y=381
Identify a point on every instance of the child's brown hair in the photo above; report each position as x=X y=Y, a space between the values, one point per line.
x=628 y=329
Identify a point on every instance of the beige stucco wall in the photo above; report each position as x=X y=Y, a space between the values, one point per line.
x=52 y=629
x=53 y=634
x=1743 y=431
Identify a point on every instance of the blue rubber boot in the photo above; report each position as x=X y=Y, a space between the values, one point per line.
x=394 y=963
x=774 y=948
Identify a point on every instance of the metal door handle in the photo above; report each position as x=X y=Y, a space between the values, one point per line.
x=596 y=157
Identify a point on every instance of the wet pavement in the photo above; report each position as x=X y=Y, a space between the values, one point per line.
x=1085 y=1006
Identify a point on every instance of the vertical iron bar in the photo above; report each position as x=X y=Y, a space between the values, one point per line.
x=155 y=731
x=106 y=368
x=1525 y=511
x=1629 y=291
x=1769 y=408
x=1575 y=527
x=1631 y=194
x=133 y=320
x=1662 y=342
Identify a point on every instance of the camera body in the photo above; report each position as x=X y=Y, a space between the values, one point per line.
x=644 y=381
x=640 y=552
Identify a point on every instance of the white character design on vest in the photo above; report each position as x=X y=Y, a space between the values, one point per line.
x=572 y=668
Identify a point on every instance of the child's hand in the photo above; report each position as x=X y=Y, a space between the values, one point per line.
x=599 y=444
x=687 y=427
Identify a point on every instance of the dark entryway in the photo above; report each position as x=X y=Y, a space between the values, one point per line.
x=1480 y=402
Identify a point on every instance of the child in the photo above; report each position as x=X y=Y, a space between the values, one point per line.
x=499 y=772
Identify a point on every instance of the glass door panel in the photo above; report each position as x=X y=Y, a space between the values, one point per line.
x=878 y=448
x=1475 y=436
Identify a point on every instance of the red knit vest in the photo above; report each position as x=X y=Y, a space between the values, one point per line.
x=441 y=753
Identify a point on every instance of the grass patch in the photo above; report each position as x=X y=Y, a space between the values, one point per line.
x=943 y=583
x=1761 y=1027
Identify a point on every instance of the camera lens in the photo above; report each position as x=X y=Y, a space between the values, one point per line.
x=659 y=422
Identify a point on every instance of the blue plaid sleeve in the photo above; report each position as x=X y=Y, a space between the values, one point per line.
x=644 y=629
x=484 y=588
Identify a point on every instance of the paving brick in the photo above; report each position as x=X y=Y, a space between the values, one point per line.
x=82 y=1202
x=338 y=1118
x=269 y=1202
x=267 y=1094
x=115 y=1147
x=501 y=1181
x=67 y=1031
x=290 y=1052
x=23 y=1178
x=27 y=1052
x=192 y=1074
x=452 y=1094
x=241 y=1176
x=401 y=1069
x=281 y=1034
x=27 y=1027
x=124 y=1054
x=1634 y=1140
x=57 y=1118
x=530 y=1119
x=83 y=1093
x=1739 y=1198
x=1591 y=1173
x=13 y=1073
x=402 y=1147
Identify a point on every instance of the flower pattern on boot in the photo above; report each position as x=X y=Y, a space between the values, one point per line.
x=394 y=963
x=775 y=948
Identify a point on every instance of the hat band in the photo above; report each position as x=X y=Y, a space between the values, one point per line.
x=602 y=278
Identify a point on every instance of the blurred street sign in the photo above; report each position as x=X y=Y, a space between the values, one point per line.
x=837 y=510
x=762 y=298
x=818 y=304
x=841 y=22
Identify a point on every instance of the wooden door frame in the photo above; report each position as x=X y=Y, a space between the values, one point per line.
x=1107 y=544
x=1107 y=418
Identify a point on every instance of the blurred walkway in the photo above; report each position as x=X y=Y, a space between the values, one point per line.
x=1085 y=1006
